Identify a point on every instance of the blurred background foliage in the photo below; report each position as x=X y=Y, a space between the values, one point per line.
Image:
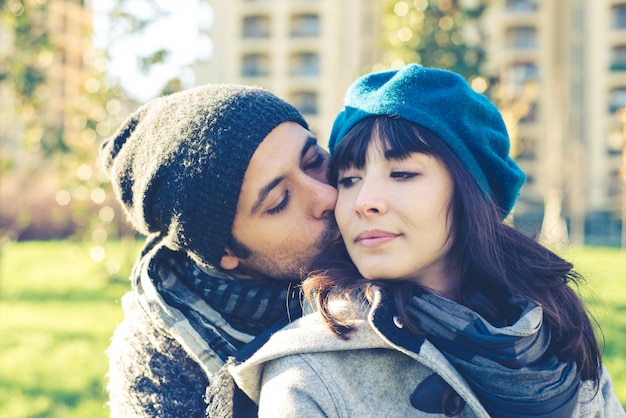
x=442 y=34
x=51 y=185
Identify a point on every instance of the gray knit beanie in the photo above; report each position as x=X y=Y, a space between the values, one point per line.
x=177 y=164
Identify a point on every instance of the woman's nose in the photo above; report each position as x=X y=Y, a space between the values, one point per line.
x=370 y=200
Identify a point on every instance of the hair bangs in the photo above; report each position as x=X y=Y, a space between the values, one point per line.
x=397 y=138
x=400 y=138
x=352 y=150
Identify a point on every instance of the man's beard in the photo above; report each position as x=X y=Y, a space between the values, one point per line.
x=284 y=267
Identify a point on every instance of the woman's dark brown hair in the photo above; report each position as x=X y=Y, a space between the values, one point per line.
x=495 y=260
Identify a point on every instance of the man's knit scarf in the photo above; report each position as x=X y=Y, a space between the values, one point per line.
x=210 y=313
x=509 y=368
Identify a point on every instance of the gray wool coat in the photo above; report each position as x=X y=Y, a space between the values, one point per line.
x=305 y=371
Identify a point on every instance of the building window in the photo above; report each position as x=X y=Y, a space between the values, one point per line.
x=304 y=64
x=526 y=148
x=615 y=141
x=306 y=25
x=618 y=58
x=256 y=27
x=522 y=38
x=520 y=73
x=255 y=65
x=619 y=16
x=305 y=102
x=531 y=114
x=614 y=184
x=617 y=99
x=521 y=5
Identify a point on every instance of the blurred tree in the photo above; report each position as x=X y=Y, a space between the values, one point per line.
x=157 y=57
x=49 y=132
x=50 y=185
x=435 y=33
x=129 y=19
x=23 y=63
x=25 y=139
x=172 y=86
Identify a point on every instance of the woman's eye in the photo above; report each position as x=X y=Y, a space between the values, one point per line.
x=282 y=205
x=347 y=181
x=403 y=175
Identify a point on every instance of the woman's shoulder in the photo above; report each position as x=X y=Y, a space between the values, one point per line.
x=306 y=338
x=311 y=334
x=600 y=401
x=345 y=383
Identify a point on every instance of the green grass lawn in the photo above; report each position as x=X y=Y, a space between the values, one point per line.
x=605 y=294
x=58 y=310
x=57 y=313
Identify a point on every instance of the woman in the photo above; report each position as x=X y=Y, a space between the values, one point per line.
x=433 y=305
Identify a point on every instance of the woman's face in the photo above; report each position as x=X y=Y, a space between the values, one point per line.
x=395 y=219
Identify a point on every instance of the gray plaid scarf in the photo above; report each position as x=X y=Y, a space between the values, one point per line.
x=509 y=368
x=210 y=313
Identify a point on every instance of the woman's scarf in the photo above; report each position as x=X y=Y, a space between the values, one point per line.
x=509 y=368
x=210 y=313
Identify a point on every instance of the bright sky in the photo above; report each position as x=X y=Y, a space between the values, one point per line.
x=179 y=33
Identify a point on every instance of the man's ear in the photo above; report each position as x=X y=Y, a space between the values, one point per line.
x=229 y=261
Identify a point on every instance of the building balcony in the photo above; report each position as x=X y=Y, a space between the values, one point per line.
x=256 y=27
x=510 y=56
x=618 y=67
x=616 y=80
x=516 y=19
x=618 y=15
x=306 y=101
x=617 y=36
x=305 y=25
x=257 y=5
x=521 y=6
x=304 y=44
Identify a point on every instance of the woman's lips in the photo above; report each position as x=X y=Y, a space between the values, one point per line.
x=374 y=238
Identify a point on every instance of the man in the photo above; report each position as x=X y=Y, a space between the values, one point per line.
x=230 y=188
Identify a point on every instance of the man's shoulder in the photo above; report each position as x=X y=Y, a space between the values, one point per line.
x=149 y=370
x=137 y=332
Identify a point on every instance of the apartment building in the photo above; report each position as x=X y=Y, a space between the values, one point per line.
x=561 y=67
x=563 y=62
x=69 y=23
x=305 y=51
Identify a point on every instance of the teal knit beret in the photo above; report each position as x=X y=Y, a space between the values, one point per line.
x=444 y=103
x=177 y=164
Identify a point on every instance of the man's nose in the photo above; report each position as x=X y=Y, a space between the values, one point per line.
x=323 y=198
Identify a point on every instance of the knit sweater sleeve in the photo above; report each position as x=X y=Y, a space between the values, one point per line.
x=150 y=375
